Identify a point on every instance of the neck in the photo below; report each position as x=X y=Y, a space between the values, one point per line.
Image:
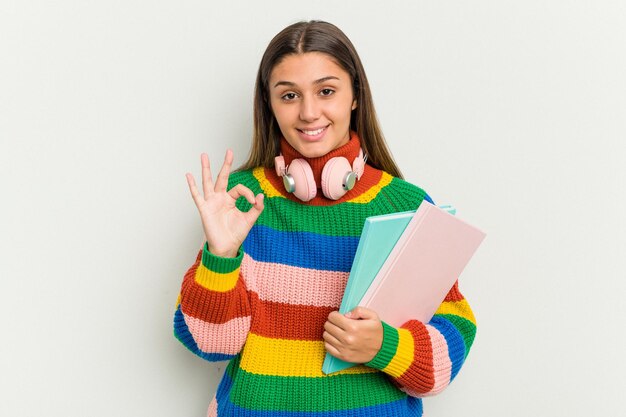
x=349 y=151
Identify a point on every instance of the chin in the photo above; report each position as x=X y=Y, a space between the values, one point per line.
x=312 y=152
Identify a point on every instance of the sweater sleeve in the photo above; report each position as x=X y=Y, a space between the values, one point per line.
x=423 y=359
x=212 y=315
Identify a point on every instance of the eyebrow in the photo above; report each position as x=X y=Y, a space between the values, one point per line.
x=320 y=81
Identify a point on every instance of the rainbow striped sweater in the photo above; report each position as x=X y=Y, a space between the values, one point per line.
x=265 y=309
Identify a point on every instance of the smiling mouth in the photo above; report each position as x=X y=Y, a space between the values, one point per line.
x=313 y=132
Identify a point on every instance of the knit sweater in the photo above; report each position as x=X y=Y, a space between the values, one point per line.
x=265 y=309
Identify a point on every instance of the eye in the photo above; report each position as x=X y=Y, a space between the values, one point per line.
x=289 y=96
x=327 y=92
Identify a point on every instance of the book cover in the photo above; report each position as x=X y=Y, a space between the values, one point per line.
x=405 y=265
x=422 y=267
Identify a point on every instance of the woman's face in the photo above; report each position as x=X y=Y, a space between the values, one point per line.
x=311 y=98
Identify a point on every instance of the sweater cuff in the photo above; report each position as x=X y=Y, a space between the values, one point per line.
x=387 y=350
x=220 y=264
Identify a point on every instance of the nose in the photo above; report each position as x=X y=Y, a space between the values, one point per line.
x=309 y=109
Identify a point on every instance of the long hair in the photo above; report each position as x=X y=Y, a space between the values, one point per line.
x=316 y=36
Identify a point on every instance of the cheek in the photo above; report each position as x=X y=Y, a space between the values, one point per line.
x=283 y=114
x=342 y=111
x=285 y=121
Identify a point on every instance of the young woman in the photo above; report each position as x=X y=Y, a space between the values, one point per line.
x=281 y=235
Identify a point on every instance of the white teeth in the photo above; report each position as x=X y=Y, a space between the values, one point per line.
x=313 y=132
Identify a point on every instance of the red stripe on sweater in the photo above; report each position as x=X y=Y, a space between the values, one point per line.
x=454 y=294
x=199 y=302
x=288 y=321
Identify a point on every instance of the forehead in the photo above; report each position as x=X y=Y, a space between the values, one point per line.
x=307 y=68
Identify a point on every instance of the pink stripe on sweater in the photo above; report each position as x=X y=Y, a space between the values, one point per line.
x=441 y=361
x=212 y=409
x=294 y=285
x=227 y=338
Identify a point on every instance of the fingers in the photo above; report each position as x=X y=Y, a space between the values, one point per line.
x=336 y=341
x=334 y=334
x=338 y=320
x=257 y=208
x=241 y=190
x=207 y=181
x=339 y=325
x=330 y=348
x=333 y=330
x=362 y=313
x=331 y=338
x=222 y=178
x=195 y=194
x=331 y=344
x=257 y=202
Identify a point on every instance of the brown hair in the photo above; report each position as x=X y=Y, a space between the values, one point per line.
x=316 y=36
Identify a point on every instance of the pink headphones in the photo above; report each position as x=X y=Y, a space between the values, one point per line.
x=338 y=177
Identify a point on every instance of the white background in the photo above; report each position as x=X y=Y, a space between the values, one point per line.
x=515 y=112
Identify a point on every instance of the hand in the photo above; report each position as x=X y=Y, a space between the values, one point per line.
x=356 y=337
x=225 y=226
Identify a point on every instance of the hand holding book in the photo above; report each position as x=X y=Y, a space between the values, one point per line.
x=355 y=336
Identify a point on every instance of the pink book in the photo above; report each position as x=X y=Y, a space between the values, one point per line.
x=422 y=267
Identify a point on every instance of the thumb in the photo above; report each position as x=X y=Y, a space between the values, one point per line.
x=256 y=209
x=362 y=313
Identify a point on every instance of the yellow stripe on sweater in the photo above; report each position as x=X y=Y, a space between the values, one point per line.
x=371 y=194
x=268 y=189
x=458 y=308
x=283 y=357
x=404 y=354
x=215 y=281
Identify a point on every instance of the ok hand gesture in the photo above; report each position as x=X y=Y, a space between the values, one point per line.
x=225 y=226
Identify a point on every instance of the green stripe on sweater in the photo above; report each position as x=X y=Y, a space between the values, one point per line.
x=274 y=393
x=218 y=264
x=388 y=349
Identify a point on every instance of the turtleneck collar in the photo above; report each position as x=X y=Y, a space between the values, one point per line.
x=350 y=151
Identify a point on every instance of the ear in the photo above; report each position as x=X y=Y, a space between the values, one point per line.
x=354 y=105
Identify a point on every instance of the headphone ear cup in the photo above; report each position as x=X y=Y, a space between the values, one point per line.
x=333 y=176
x=279 y=165
x=302 y=175
x=358 y=166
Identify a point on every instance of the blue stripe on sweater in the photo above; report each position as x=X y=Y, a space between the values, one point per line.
x=301 y=249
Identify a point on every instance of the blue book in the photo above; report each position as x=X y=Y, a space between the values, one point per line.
x=378 y=238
